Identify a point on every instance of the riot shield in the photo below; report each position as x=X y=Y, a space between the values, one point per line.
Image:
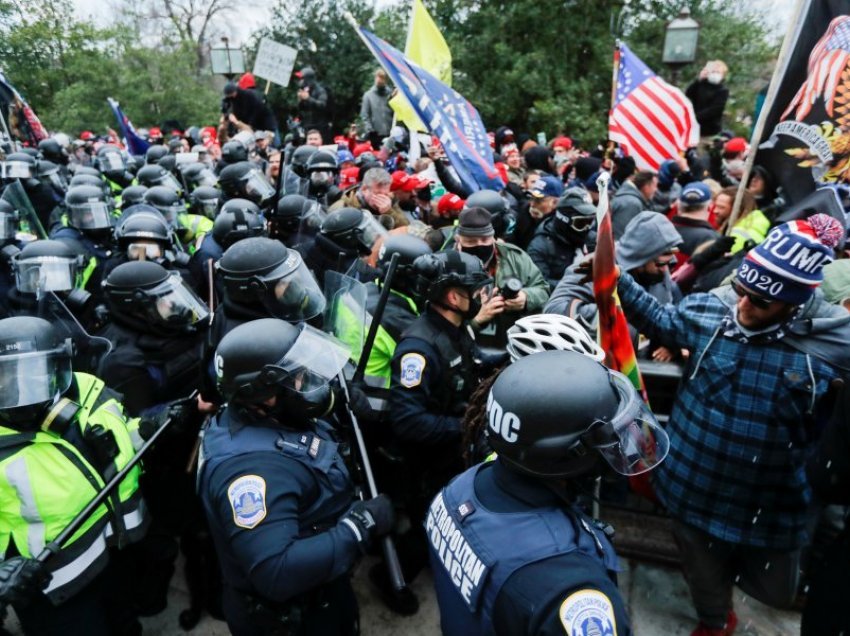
x=293 y=184
x=345 y=312
x=89 y=351
x=16 y=196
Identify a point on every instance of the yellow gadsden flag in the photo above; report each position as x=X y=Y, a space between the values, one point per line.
x=427 y=47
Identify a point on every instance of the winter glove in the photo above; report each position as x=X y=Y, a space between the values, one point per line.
x=358 y=402
x=180 y=413
x=370 y=519
x=21 y=579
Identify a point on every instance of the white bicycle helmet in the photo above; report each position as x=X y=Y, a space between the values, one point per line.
x=550 y=332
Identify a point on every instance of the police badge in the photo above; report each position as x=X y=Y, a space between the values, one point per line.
x=247 y=496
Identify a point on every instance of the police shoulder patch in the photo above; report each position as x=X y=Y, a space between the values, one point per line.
x=412 y=366
x=588 y=612
x=247 y=496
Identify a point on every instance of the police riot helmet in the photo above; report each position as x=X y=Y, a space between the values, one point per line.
x=78 y=170
x=446 y=269
x=144 y=233
x=289 y=210
x=110 y=161
x=132 y=195
x=169 y=162
x=87 y=180
x=166 y=201
x=322 y=160
x=550 y=332
x=35 y=369
x=19 y=165
x=262 y=272
x=204 y=200
x=45 y=266
x=148 y=298
x=155 y=153
x=353 y=229
x=52 y=150
x=48 y=173
x=9 y=218
x=552 y=414
x=234 y=152
x=490 y=200
x=244 y=180
x=239 y=219
x=88 y=210
x=408 y=248
x=198 y=175
x=270 y=358
x=152 y=175
x=301 y=158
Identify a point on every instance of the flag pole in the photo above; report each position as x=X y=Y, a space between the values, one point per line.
x=609 y=151
x=792 y=35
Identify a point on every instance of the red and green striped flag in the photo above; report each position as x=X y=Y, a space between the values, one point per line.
x=614 y=337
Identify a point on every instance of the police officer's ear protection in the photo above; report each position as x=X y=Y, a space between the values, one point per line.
x=261 y=386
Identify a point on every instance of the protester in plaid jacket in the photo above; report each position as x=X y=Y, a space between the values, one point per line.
x=763 y=353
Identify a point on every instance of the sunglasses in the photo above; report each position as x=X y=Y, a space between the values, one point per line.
x=671 y=262
x=759 y=302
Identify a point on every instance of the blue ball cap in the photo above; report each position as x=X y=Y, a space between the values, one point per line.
x=695 y=193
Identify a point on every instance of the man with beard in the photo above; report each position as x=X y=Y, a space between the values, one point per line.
x=647 y=252
x=375 y=111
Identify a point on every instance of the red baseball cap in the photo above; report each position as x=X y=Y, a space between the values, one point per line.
x=562 y=142
x=449 y=203
x=86 y=135
x=735 y=145
x=359 y=149
x=154 y=132
x=407 y=182
x=348 y=177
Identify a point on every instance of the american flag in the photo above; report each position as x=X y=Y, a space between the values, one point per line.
x=651 y=120
x=826 y=62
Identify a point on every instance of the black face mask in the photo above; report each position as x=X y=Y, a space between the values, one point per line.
x=294 y=410
x=484 y=253
x=645 y=279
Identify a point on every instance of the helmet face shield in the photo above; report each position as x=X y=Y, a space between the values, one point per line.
x=169 y=181
x=93 y=215
x=370 y=229
x=17 y=170
x=33 y=377
x=310 y=364
x=207 y=207
x=257 y=187
x=295 y=295
x=205 y=177
x=45 y=273
x=111 y=162
x=8 y=226
x=143 y=251
x=174 y=304
x=171 y=212
x=632 y=442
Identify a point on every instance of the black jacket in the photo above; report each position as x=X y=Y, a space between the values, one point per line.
x=709 y=101
x=552 y=252
x=250 y=109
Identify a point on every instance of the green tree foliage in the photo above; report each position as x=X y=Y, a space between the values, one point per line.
x=535 y=66
x=318 y=30
x=67 y=69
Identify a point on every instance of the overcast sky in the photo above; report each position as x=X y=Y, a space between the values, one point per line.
x=777 y=14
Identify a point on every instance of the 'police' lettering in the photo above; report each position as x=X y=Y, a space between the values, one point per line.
x=464 y=567
x=505 y=424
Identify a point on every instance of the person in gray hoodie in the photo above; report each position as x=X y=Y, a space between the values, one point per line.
x=375 y=112
x=646 y=250
x=634 y=196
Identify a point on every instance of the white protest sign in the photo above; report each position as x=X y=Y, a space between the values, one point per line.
x=274 y=62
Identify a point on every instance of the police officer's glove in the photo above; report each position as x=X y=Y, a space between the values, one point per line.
x=370 y=519
x=21 y=579
x=180 y=414
x=359 y=402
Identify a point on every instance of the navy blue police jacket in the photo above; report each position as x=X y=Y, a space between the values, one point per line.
x=510 y=557
x=273 y=498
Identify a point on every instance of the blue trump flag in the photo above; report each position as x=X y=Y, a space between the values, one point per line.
x=446 y=113
x=135 y=144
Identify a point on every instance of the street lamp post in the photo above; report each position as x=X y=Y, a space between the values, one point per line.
x=680 y=42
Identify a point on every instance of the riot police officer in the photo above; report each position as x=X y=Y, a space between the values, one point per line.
x=510 y=551
x=322 y=174
x=244 y=180
x=433 y=373
x=189 y=228
x=346 y=236
x=205 y=201
x=295 y=172
x=239 y=219
x=157 y=330
x=152 y=175
x=276 y=492
x=296 y=221
x=64 y=435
